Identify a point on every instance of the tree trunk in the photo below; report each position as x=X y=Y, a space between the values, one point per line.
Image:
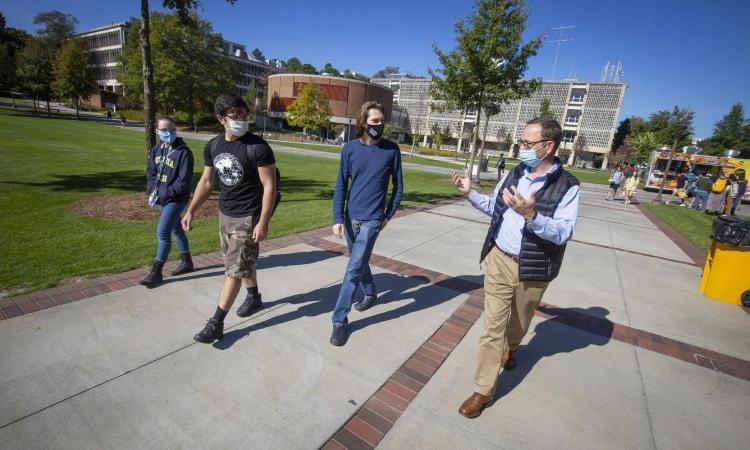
x=481 y=147
x=78 y=108
x=34 y=101
x=148 y=79
x=49 y=111
x=13 y=97
x=658 y=198
x=473 y=144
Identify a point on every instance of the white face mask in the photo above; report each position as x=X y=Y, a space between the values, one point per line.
x=237 y=127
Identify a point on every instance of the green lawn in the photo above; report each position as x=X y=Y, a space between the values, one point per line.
x=336 y=149
x=694 y=225
x=47 y=164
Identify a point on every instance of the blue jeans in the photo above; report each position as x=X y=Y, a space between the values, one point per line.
x=701 y=197
x=169 y=223
x=360 y=239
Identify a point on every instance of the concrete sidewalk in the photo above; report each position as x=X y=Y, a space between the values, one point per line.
x=626 y=353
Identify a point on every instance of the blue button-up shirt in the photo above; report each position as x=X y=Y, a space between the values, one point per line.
x=558 y=228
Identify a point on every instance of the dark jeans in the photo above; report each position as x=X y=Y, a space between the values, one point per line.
x=360 y=239
x=169 y=223
x=701 y=197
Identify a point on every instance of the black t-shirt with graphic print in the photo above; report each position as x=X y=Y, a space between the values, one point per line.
x=236 y=165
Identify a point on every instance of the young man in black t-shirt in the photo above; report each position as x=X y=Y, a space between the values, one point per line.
x=246 y=170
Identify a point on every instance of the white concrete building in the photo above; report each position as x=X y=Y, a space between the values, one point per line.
x=587 y=110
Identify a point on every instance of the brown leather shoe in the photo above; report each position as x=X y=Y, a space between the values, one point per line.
x=509 y=359
x=474 y=405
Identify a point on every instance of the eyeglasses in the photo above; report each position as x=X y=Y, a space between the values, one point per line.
x=526 y=144
x=164 y=130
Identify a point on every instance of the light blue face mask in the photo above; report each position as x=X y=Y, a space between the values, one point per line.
x=528 y=157
x=167 y=136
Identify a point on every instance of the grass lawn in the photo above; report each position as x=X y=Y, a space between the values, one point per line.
x=694 y=225
x=404 y=153
x=47 y=164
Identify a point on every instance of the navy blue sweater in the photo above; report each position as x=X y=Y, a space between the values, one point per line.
x=176 y=175
x=362 y=183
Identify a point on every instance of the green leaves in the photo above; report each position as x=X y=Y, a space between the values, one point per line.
x=72 y=76
x=310 y=110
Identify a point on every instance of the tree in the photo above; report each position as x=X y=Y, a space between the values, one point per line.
x=12 y=42
x=147 y=78
x=544 y=108
x=642 y=144
x=310 y=110
x=628 y=128
x=485 y=68
x=258 y=55
x=388 y=70
x=294 y=65
x=731 y=130
x=56 y=27
x=330 y=70
x=73 y=79
x=308 y=69
x=182 y=9
x=391 y=131
x=251 y=96
x=680 y=125
x=34 y=70
x=187 y=71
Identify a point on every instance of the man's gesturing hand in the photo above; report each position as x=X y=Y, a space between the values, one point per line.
x=520 y=204
x=462 y=183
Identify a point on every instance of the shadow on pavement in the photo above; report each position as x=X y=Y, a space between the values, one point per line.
x=548 y=340
x=412 y=293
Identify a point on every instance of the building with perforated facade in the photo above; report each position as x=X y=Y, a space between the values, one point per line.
x=587 y=110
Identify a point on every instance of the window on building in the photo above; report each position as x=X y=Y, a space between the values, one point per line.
x=577 y=95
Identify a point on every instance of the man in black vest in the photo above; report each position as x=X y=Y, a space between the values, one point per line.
x=534 y=209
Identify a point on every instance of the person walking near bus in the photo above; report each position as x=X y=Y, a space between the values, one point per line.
x=614 y=184
x=169 y=174
x=702 y=187
x=631 y=184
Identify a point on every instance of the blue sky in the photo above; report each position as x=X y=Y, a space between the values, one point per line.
x=692 y=53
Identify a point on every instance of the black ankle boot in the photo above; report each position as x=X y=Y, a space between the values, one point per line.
x=186 y=264
x=252 y=304
x=154 y=278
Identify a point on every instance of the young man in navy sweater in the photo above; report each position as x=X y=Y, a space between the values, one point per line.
x=359 y=210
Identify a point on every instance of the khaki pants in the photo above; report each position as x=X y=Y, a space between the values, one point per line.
x=509 y=305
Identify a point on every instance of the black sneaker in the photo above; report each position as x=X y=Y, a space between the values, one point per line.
x=251 y=305
x=213 y=331
x=339 y=335
x=154 y=277
x=366 y=303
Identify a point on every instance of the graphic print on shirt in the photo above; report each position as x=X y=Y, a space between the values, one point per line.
x=229 y=169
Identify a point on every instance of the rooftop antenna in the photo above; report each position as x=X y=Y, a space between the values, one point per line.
x=558 y=41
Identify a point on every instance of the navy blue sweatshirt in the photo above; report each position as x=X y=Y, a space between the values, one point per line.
x=176 y=173
x=364 y=171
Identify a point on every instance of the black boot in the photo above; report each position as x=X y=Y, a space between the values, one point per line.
x=186 y=264
x=214 y=330
x=154 y=278
x=366 y=303
x=251 y=305
x=340 y=335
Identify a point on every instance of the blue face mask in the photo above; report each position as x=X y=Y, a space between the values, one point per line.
x=167 y=136
x=528 y=157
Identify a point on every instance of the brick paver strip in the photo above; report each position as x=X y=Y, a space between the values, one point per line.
x=397 y=392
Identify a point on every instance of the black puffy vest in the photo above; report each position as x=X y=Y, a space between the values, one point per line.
x=540 y=260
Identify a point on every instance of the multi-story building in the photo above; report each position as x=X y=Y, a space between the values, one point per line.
x=587 y=110
x=105 y=46
x=251 y=70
